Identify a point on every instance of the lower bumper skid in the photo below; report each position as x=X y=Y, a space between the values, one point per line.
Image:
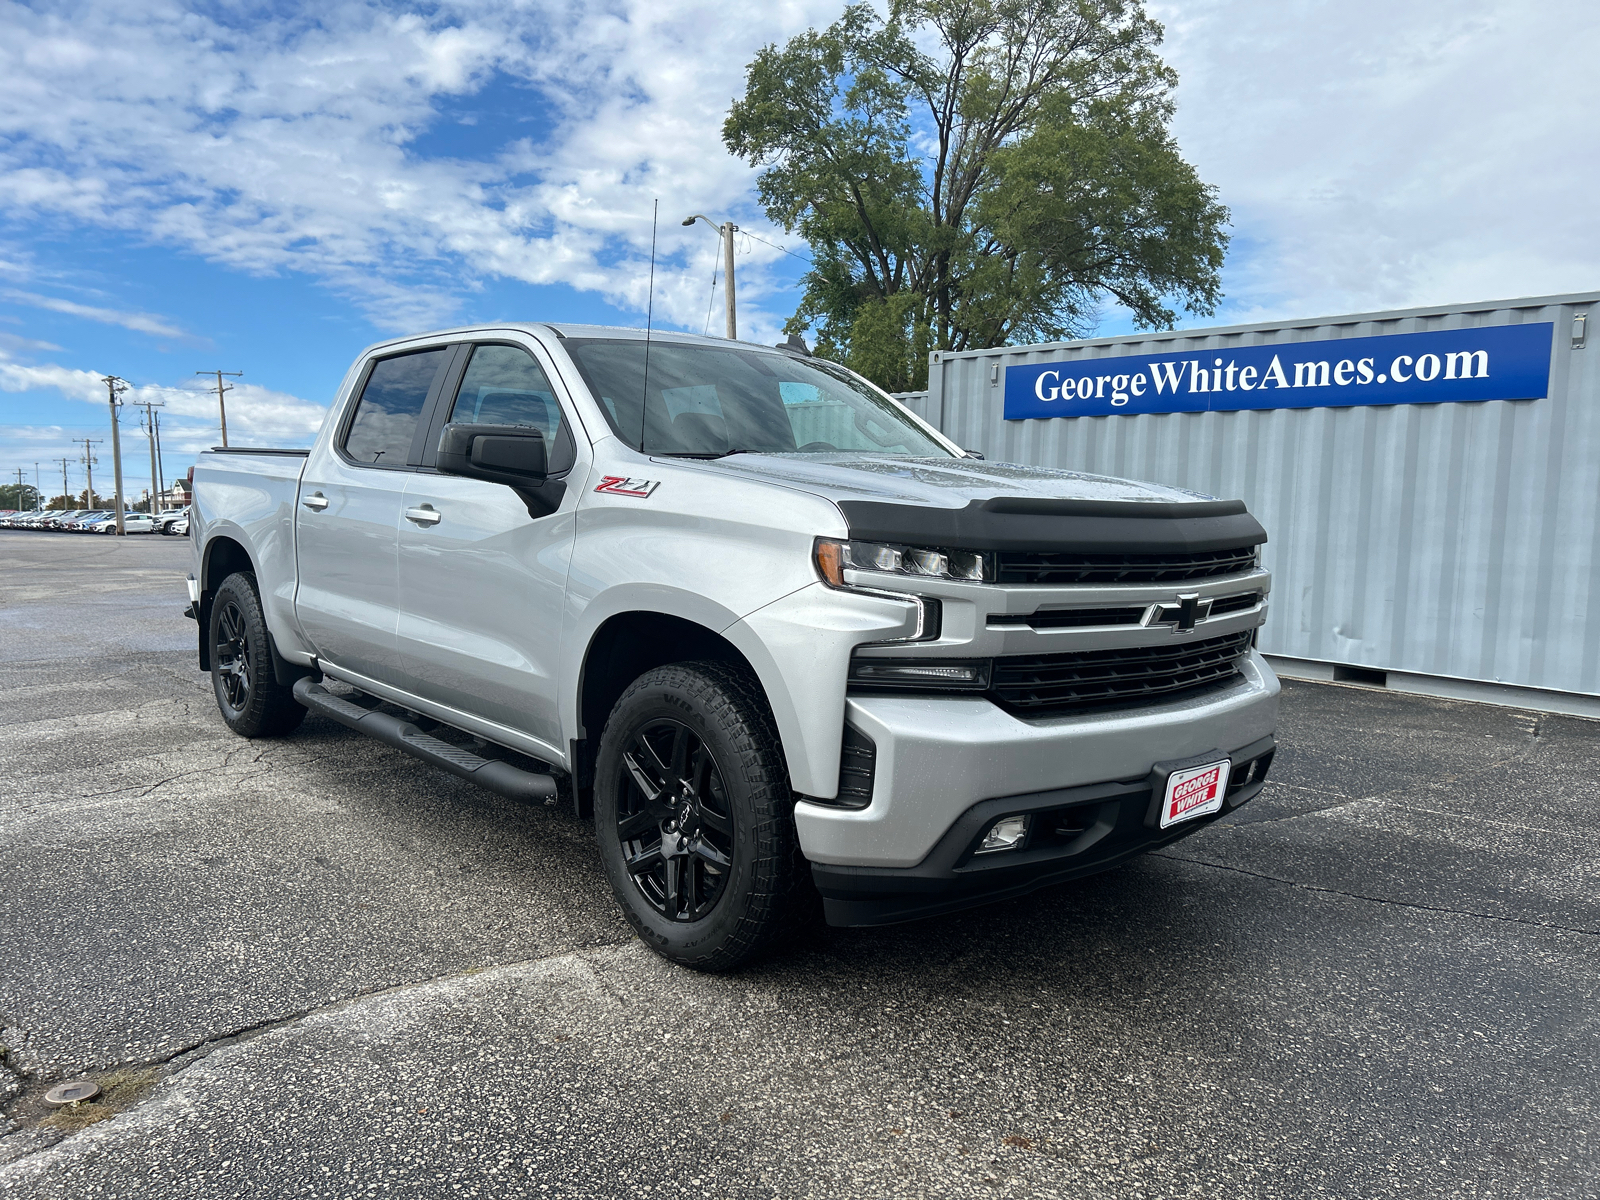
x=1074 y=832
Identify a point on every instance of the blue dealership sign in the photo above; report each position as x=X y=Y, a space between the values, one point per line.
x=1502 y=362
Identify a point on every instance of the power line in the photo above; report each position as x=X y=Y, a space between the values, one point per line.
x=711 y=300
x=775 y=246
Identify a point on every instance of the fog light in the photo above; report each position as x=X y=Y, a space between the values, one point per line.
x=926 y=672
x=1005 y=834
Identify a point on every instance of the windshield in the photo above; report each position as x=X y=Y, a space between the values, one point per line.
x=707 y=401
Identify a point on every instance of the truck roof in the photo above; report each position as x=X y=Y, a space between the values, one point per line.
x=563 y=329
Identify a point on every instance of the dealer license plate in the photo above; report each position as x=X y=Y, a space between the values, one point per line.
x=1194 y=792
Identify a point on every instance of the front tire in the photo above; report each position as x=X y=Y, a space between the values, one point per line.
x=252 y=701
x=694 y=815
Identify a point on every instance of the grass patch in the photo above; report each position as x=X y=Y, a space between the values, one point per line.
x=118 y=1091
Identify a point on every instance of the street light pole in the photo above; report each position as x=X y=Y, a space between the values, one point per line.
x=66 y=497
x=726 y=231
x=114 y=388
x=222 y=389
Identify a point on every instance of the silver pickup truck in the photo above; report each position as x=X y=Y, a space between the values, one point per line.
x=778 y=635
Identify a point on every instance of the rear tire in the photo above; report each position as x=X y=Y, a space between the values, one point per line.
x=252 y=701
x=695 y=816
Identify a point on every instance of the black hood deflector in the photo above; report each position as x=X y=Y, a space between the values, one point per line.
x=1059 y=526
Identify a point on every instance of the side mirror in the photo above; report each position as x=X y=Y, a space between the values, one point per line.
x=512 y=454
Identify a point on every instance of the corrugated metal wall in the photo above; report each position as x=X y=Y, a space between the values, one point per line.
x=1458 y=540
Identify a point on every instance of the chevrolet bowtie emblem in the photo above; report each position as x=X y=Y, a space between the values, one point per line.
x=1183 y=616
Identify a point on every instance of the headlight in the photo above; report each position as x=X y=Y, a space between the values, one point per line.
x=957 y=674
x=834 y=558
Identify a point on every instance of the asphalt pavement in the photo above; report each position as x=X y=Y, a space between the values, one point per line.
x=315 y=968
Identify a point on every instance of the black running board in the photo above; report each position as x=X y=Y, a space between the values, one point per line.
x=501 y=777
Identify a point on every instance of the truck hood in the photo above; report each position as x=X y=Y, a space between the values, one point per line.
x=993 y=506
x=941 y=482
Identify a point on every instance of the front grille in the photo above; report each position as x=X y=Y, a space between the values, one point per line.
x=1051 y=685
x=1233 y=604
x=1084 y=618
x=1028 y=566
x=1069 y=618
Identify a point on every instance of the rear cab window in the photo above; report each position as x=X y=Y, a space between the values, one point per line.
x=387 y=417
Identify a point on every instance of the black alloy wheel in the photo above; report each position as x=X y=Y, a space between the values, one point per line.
x=695 y=816
x=249 y=696
x=231 y=653
x=674 y=822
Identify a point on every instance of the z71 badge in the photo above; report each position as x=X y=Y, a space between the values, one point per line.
x=616 y=485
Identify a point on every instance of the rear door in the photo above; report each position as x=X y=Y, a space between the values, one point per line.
x=482 y=581
x=347 y=526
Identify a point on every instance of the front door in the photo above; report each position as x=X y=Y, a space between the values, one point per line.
x=482 y=582
x=347 y=526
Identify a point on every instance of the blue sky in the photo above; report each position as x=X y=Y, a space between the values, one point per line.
x=269 y=187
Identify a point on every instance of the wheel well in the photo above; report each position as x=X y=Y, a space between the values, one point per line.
x=224 y=556
x=623 y=649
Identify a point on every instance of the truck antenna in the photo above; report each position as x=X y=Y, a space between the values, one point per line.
x=649 y=316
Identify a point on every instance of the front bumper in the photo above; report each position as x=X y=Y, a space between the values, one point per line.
x=1074 y=832
x=937 y=756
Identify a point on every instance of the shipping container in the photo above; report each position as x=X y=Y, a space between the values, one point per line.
x=1429 y=478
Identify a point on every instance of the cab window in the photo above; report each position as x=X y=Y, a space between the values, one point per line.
x=385 y=420
x=504 y=385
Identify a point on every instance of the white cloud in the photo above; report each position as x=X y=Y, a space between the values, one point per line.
x=282 y=144
x=1381 y=155
x=1374 y=154
x=12 y=341
x=256 y=414
x=138 y=322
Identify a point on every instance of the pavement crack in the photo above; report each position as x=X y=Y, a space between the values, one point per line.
x=1434 y=908
x=183 y=1057
x=195 y=1051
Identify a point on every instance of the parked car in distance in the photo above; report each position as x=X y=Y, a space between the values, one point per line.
x=88 y=521
x=165 y=519
x=131 y=523
x=180 y=527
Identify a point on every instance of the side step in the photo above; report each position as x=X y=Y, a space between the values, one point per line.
x=501 y=777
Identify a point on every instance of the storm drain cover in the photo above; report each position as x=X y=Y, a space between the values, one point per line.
x=71 y=1093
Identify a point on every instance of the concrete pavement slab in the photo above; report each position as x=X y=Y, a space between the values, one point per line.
x=355 y=976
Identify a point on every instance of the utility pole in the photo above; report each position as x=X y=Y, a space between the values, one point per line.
x=150 y=407
x=66 y=497
x=161 y=467
x=726 y=231
x=222 y=389
x=89 y=461
x=19 y=489
x=114 y=389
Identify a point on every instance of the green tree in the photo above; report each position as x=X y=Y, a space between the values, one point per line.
x=18 y=498
x=994 y=187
